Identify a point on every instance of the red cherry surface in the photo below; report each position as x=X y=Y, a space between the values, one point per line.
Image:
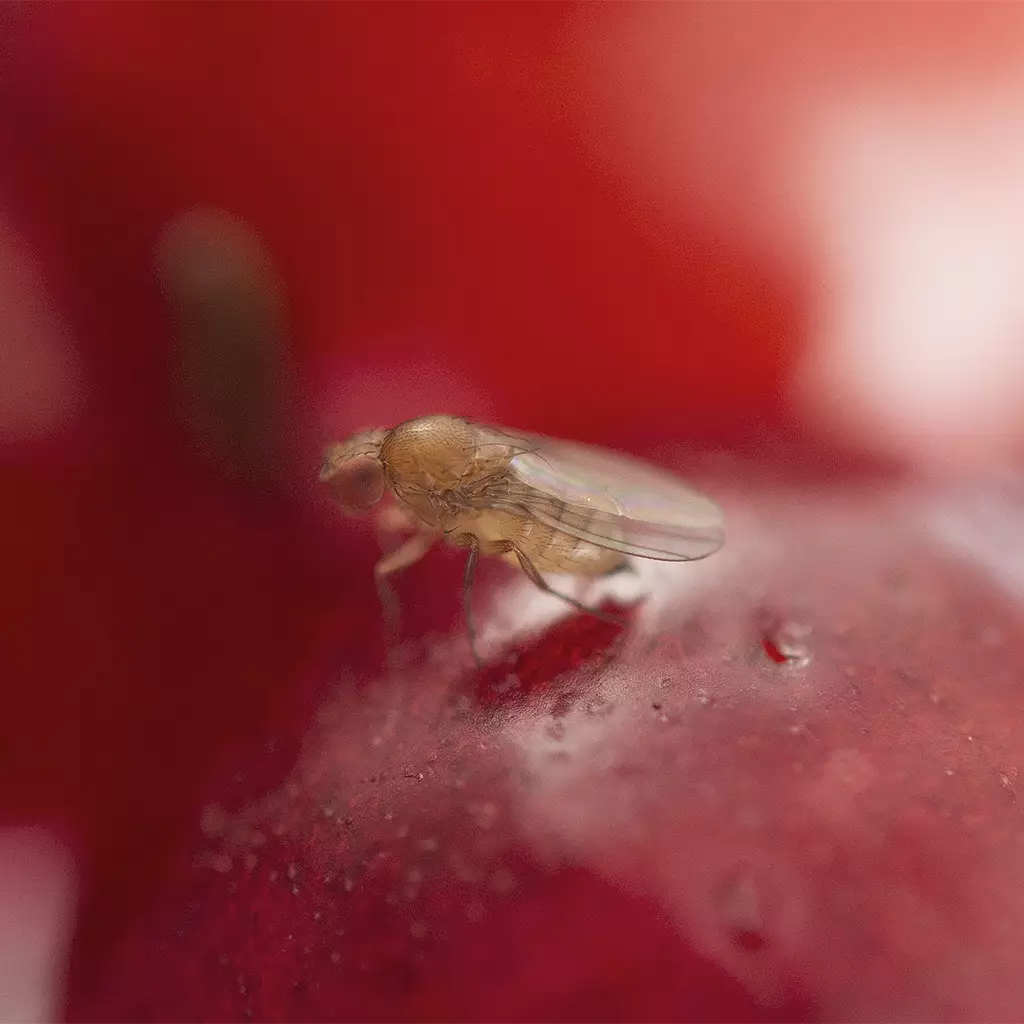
x=787 y=790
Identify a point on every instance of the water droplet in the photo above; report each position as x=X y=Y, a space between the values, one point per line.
x=740 y=905
x=250 y=861
x=335 y=957
x=295 y=890
x=328 y=811
x=348 y=884
x=389 y=815
x=273 y=876
x=316 y=915
x=786 y=643
x=293 y=872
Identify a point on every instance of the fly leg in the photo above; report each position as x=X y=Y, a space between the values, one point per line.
x=467 y=595
x=393 y=520
x=401 y=558
x=537 y=580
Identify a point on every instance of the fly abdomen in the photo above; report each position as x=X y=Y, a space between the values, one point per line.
x=552 y=550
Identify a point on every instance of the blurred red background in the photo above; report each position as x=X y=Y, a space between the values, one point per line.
x=452 y=232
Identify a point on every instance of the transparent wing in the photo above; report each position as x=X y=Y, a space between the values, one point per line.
x=606 y=498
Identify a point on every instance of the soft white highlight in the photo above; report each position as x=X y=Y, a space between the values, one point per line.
x=918 y=215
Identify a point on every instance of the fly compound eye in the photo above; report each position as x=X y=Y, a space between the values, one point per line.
x=357 y=483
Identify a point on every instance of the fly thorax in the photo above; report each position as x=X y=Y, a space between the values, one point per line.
x=430 y=452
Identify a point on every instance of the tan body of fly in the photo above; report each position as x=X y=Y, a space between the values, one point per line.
x=544 y=505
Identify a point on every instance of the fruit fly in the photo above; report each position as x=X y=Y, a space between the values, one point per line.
x=543 y=505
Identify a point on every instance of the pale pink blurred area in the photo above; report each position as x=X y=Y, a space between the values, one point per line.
x=42 y=378
x=917 y=340
x=38 y=891
x=874 y=153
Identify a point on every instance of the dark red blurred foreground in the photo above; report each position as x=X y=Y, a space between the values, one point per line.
x=663 y=824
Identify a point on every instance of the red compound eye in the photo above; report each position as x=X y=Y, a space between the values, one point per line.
x=357 y=484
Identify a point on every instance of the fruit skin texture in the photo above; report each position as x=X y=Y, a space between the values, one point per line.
x=670 y=825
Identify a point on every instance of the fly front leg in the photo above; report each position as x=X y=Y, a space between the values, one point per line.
x=535 y=577
x=401 y=558
x=393 y=520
